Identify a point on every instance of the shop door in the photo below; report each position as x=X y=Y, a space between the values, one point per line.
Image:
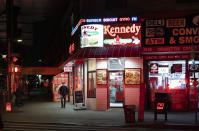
x=116 y=89
x=194 y=90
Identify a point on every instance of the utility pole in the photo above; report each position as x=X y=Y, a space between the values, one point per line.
x=10 y=32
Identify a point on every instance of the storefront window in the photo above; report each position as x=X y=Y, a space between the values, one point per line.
x=164 y=75
x=116 y=64
x=194 y=73
x=91 y=92
x=91 y=64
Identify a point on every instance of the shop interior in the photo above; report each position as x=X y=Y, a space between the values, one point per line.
x=170 y=76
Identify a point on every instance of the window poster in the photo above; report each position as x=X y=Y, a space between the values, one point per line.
x=154 y=68
x=101 y=77
x=132 y=76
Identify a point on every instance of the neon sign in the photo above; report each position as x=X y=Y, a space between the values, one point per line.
x=71 y=48
x=123 y=34
x=134 y=18
x=124 y=19
x=76 y=27
x=110 y=19
x=93 y=20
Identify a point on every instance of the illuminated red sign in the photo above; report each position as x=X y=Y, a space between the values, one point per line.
x=124 y=19
x=71 y=48
x=176 y=22
x=123 y=34
x=68 y=69
x=160 y=106
x=154 y=68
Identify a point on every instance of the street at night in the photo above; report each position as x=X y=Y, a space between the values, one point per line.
x=111 y=65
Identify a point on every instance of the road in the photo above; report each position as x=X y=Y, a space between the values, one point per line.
x=26 y=126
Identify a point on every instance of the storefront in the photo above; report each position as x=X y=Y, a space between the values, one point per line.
x=170 y=53
x=108 y=66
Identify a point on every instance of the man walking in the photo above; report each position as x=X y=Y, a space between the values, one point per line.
x=63 y=91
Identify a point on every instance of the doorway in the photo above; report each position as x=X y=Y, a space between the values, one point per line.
x=116 y=89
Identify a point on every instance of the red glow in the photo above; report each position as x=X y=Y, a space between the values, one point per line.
x=8 y=106
x=71 y=48
x=124 y=19
x=17 y=69
x=160 y=106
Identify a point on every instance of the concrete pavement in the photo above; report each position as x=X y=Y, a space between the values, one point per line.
x=42 y=111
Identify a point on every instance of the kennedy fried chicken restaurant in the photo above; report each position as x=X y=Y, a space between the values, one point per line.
x=170 y=53
x=107 y=66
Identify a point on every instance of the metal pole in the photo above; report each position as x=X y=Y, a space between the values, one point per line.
x=9 y=22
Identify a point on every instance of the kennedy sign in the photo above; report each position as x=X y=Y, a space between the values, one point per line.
x=123 y=34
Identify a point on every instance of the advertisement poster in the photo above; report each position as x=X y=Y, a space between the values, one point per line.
x=154 y=68
x=132 y=76
x=92 y=35
x=123 y=34
x=176 y=68
x=101 y=77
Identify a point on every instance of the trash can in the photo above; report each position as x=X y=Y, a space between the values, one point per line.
x=129 y=113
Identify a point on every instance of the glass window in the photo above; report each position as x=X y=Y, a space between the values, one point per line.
x=116 y=64
x=165 y=75
x=91 y=90
x=91 y=64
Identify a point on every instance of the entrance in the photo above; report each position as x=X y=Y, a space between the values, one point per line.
x=194 y=85
x=116 y=88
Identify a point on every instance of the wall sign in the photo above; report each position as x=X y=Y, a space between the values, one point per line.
x=92 y=35
x=123 y=34
x=172 y=31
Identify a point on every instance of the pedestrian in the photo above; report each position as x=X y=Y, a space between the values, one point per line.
x=63 y=91
x=1 y=123
x=19 y=94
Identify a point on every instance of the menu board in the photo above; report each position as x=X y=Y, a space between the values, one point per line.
x=78 y=97
x=101 y=77
x=132 y=76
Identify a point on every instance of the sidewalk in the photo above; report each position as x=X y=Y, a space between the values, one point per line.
x=50 y=112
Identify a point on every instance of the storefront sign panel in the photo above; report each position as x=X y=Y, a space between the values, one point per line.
x=92 y=35
x=169 y=49
x=157 y=22
x=123 y=34
x=166 y=57
x=175 y=31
